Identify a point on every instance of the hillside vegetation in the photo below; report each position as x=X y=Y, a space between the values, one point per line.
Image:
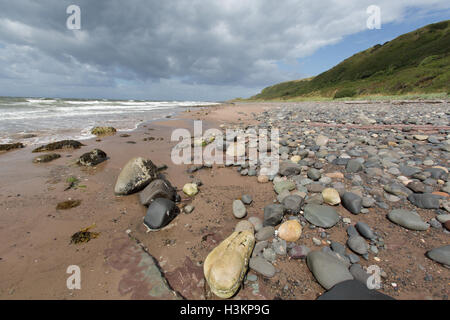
x=416 y=62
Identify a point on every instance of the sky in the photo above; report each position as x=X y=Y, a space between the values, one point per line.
x=210 y=50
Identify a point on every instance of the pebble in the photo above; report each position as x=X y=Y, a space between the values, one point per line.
x=365 y=230
x=262 y=266
x=239 y=210
x=247 y=199
x=265 y=233
x=408 y=219
x=331 y=196
x=357 y=244
x=290 y=231
x=352 y=202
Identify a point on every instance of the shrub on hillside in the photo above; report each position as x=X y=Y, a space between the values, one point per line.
x=343 y=93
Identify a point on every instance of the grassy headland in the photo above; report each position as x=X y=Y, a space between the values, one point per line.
x=414 y=65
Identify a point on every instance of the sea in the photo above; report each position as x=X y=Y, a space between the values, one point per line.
x=43 y=120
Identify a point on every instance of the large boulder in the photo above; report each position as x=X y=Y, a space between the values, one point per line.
x=225 y=266
x=135 y=176
x=158 y=188
x=160 y=213
x=92 y=158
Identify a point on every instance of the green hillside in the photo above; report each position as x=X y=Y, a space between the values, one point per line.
x=416 y=62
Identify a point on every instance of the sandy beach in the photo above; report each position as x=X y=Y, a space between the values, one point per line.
x=127 y=262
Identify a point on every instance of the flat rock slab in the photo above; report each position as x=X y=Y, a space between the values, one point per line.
x=327 y=270
x=141 y=276
x=321 y=216
x=408 y=219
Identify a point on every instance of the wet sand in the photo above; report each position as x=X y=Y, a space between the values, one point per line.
x=35 y=248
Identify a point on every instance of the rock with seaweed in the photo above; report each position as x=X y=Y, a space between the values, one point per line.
x=46 y=158
x=11 y=146
x=59 y=145
x=92 y=158
x=103 y=131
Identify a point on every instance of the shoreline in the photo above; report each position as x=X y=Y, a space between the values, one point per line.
x=35 y=250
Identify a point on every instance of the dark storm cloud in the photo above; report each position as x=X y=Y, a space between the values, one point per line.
x=177 y=42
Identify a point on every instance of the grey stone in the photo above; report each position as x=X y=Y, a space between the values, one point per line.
x=424 y=200
x=353 y=258
x=269 y=254
x=440 y=255
x=160 y=213
x=351 y=231
x=280 y=247
x=259 y=247
x=289 y=168
x=257 y=223
x=265 y=233
x=299 y=252
x=293 y=203
x=158 y=188
x=327 y=269
x=314 y=174
x=407 y=219
x=273 y=214
x=262 y=266
x=247 y=199
x=357 y=244
x=353 y=166
x=359 y=274
x=321 y=216
x=365 y=230
x=352 y=202
x=239 y=210
x=282 y=185
x=337 y=247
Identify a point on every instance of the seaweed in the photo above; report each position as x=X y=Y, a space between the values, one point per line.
x=84 y=235
x=69 y=204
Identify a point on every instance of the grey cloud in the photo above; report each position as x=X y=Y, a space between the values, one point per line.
x=180 y=43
